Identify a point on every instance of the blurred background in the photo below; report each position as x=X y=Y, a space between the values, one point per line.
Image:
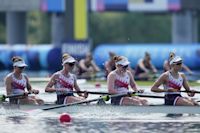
x=41 y=30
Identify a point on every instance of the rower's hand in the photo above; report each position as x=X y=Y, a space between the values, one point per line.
x=26 y=94
x=191 y=93
x=35 y=91
x=85 y=94
x=140 y=91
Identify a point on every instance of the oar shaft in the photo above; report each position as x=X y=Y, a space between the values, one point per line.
x=190 y=91
x=148 y=96
x=92 y=92
x=14 y=95
x=3 y=97
x=105 y=98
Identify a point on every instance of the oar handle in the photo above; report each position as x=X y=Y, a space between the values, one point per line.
x=92 y=92
x=3 y=97
x=190 y=91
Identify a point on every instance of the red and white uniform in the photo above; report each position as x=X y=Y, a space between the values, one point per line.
x=18 y=85
x=175 y=83
x=121 y=83
x=64 y=82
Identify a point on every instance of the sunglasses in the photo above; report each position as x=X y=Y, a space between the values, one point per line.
x=71 y=64
x=21 y=67
x=179 y=63
x=125 y=66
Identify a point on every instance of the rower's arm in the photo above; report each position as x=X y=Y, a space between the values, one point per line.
x=110 y=83
x=133 y=84
x=77 y=88
x=29 y=87
x=156 y=85
x=187 y=87
x=166 y=66
x=142 y=66
x=8 y=85
x=186 y=68
x=96 y=68
x=82 y=65
x=153 y=68
x=185 y=83
x=50 y=84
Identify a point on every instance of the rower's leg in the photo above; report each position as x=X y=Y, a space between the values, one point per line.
x=72 y=99
x=130 y=101
x=193 y=101
x=184 y=102
x=28 y=100
x=144 y=102
x=40 y=101
x=143 y=76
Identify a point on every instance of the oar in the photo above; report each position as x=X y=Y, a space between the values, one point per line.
x=190 y=91
x=147 y=96
x=91 y=92
x=104 y=98
x=106 y=93
x=3 y=97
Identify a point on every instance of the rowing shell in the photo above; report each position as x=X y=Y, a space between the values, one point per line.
x=112 y=108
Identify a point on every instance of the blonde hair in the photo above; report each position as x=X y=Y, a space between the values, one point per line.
x=117 y=58
x=16 y=59
x=65 y=56
x=171 y=56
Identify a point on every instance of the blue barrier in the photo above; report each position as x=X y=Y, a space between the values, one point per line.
x=37 y=57
x=48 y=57
x=159 y=52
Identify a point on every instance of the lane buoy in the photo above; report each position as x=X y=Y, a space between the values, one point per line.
x=65 y=118
x=97 y=85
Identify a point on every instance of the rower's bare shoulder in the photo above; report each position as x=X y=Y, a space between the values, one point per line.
x=182 y=75
x=163 y=76
x=111 y=74
x=129 y=72
x=8 y=77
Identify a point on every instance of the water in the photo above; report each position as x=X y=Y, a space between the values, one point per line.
x=47 y=122
x=94 y=120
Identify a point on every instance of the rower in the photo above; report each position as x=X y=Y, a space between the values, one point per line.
x=87 y=67
x=17 y=81
x=64 y=82
x=166 y=65
x=118 y=81
x=145 y=70
x=172 y=81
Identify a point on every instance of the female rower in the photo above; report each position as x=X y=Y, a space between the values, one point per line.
x=64 y=82
x=166 y=65
x=17 y=81
x=110 y=64
x=172 y=81
x=87 y=67
x=145 y=68
x=118 y=81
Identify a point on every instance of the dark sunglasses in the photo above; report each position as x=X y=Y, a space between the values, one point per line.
x=125 y=66
x=71 y=64
x=179 y=63
x=21 y=67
